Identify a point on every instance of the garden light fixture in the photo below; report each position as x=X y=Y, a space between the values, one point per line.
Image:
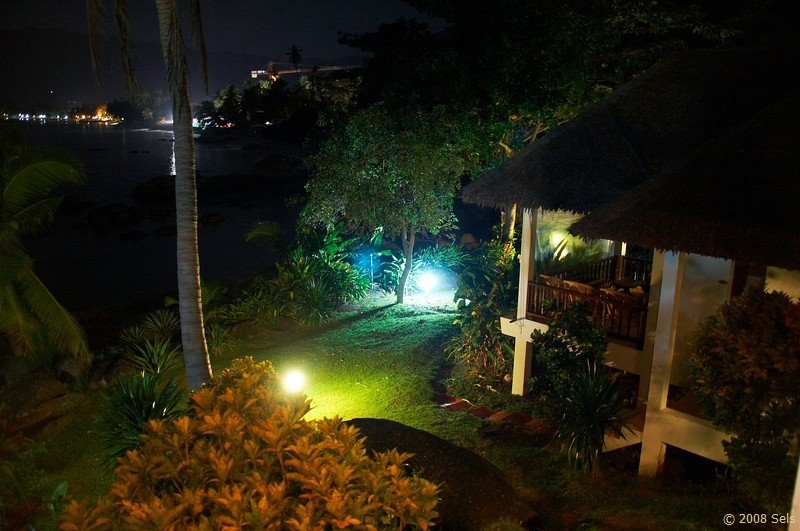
x=294 y=381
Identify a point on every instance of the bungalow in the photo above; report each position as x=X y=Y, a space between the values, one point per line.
x=695 y=163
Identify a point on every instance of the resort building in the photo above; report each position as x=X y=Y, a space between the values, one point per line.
x=692 y=170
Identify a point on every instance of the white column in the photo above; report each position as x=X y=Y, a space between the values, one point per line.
x=794 y=523
x=523 y=357
x=620 y=248
x=653 y=448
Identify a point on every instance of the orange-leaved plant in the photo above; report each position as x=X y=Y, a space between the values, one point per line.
x=245 y=457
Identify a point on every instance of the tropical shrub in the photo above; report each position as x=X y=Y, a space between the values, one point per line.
x=486 y=290
x=746 y=371
x=311 y=284
x=591 y=407
x=259 y=302
x=219 y=339
x=570 y=344
x=264 y=371
x=246 y=458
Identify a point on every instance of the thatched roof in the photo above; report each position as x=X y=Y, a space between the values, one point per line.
x=645 y=128
x=738 y=198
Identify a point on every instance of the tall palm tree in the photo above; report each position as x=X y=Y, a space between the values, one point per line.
x=198 y=364
x=30 y=317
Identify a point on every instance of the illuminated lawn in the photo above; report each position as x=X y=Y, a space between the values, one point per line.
x=377 y=360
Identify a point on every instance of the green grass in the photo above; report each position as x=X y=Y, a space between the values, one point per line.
x=380 y=360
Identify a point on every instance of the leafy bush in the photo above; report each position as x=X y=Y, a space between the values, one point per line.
x=564 y=350
x=311 y=285
x=486 y=290
x=246 y=458
x=259 y=303
x=218 y=339
x=448 y=258
x=133 y=400
x=746 y=372
x=591 y=407
x=264 y=371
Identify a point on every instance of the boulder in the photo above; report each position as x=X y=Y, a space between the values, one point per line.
x=71 y=369
x=473 y=492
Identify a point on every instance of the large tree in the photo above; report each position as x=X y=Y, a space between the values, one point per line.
x=198 y=364
x=30 y=317
x=398 y=174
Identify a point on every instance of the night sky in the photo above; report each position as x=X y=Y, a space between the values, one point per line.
x=266 y=28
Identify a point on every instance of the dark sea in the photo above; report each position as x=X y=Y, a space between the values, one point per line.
x=104 y=266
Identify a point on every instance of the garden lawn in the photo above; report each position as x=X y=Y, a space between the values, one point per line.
x=378 y=360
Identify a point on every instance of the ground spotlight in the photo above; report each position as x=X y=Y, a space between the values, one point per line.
x=428 y=281
x=294 y=381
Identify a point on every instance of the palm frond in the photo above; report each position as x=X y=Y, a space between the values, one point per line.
x=268 y=231
x=94 y=17
x=33 y=218
x=199 y=38
x=122 y=19
x=62 y=330
x=12 y=261
x=32 y=173
x=17 y=325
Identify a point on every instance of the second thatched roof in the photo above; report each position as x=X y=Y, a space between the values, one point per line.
x=739 y=198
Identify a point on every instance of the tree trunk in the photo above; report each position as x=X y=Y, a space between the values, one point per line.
x=512 y=222
x=408 y=253
x=195 y=352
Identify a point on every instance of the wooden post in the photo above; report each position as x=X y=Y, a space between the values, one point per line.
x=523 y=358
x=653 y=448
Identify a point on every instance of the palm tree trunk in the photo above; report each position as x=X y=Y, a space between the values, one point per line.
x=195 y=352
x=408 y=238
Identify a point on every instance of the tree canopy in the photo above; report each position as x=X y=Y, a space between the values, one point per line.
x=384 y=172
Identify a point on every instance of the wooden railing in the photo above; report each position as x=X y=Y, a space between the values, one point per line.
x=606 y=269
x=637 y=269
x=599 y=269
x=622 y=320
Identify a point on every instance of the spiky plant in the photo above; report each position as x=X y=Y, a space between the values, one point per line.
x=162 y=324
x=592 y=407
x=131 y=401
x=154 y=356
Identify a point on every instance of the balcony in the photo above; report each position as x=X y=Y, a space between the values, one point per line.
x=618 y=302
